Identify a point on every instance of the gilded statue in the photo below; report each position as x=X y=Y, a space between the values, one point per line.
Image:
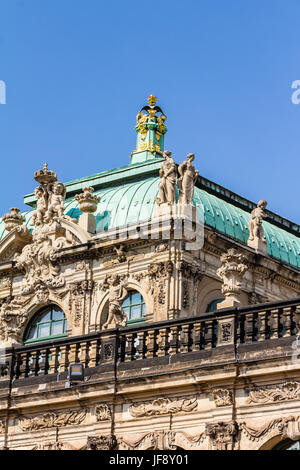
x=187 y=180
x=255 y=224
x=168 y=175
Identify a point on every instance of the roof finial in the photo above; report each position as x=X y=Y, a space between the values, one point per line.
x=150 y=129
x=152 y=100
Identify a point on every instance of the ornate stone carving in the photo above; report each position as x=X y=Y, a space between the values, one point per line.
x=117 y=294
x=284 y=392
x=38 y=258
x=190 y=271
x=157 y=440
x=53 y=420
x=222 y=434
x=5 y=282
x=87 y=200
x=187 y=180
x=76 y=300
x=254 y=298
x=120 y=252
x=2 y=426
x=222 y=397
x=13 y=316
x=225 y=331
x=158 y=274
x=161 y=440
x=281 y=424
x=256 y=238
x=103 y=442
x=234 y=266
x=103 y=412
x=161 y=247
x=162 y=406
x=57 y=445
x=168 y=175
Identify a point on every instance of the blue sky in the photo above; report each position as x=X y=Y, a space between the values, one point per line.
x=77 y=72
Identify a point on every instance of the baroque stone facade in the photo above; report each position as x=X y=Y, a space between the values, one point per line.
x=182 y=315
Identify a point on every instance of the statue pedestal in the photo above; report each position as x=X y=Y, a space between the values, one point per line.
x=229 y=302
x=260 y=246
x=87 y=221
x=183 y=211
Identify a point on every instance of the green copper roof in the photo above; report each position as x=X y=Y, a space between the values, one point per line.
x=127 y=196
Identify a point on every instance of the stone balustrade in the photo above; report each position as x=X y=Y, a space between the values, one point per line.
x=177 y=340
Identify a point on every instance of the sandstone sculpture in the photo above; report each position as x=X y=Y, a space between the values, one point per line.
x=187 y=180
x=167 y=182
x=117 y=294
x=256 y=239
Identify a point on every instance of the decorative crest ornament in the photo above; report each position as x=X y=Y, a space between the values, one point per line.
x=45 y=176
x=152 y=100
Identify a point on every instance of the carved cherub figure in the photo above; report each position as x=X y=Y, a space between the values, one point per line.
x=41 y=206
x=117 y=294
x=255 y=224
x=57 y=195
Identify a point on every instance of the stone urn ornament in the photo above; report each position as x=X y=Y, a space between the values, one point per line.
x=13 y=219
x=87 y=200
x=87 y=205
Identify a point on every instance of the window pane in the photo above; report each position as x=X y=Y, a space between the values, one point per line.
x=45 y=317
x=57 y=328
x=32 y=332
x=136 y=298
x=143 y=310
x=44 y=330
x=57 y=314
x=135 y=312
x=126 y=301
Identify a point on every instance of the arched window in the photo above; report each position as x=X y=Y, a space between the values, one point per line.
x=135 y=308
x=212 y=306
x=48 y=323
x=287 y=444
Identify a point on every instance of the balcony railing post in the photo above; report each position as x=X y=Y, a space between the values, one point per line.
x=53 y=356
x=262 y=326
x=173 y=349
x=287 y=321
x=274 y=323
x=226 y=330
x=109 y=347
x=163 y=342
x=151 y=346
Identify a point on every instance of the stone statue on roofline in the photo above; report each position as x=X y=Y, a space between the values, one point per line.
x=168 y=175
x=187 y=180
x=256 y=238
